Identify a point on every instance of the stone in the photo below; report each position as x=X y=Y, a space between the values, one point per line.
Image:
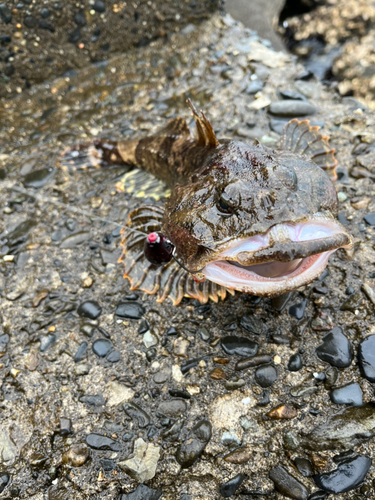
x=81 y=351
x=260 y=359
x=292 y=108
x=89 y=309
x=289 y=94
x=349 y=474
x=93 y=400
x=295 y=362
x=347 y=394
x=370 y=219
x=100 y=442
x=282 y=411
x=142 y=465
x=230 y=438
x=8 y=450
x=4 y=480
x=254 y=87
x=229 y=488
x=150 y=339
x=251 y=324
x=298 y=310
x=173 y=408
x=76 y=456
x=343 y=431
x=336 y=349
x=192 y=448
x=304 y=466
x=136 y=413
x=101 y=347
x=130 y=310
x=366 y=358
x=288 y=485
x=65 y=426
x=241 y=346
x=142 y=492
x=318 y=495
x=118 y=393
x=266 y=375
x=239 y=456
x=162 y=376
x=75 y=239
x=5 y=14
x=114 y=356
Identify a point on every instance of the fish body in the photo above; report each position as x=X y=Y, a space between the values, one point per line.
x=240 y=216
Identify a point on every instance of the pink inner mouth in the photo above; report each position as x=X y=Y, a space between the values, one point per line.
x=274 y=277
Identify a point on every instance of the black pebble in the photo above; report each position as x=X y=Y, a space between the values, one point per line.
x=336 y=349
x=46 y=25
x=318 y=495
x=130 y=310
x=4 y=480
x=254 y=87
x=266 y=375
x=281 y=301
x=114 y=356
x=230 y=487
x=71 y=224
x=101 y=347
x=142 y=492
x=4 y=40
x=295 y=363
x=241 y=346
x=100 y=442
x=342 y=219
x=349 y=290
x=297 y=310
x=192 y=448
x=370 y=218
x=143 y=327
x=74 y=36
x=65 y=426
x=44 y=13
x=104 y=332
x=366 y=358
x=89 y=309
x=107 y=464
x=286 y=484
x=131 y=296
x=347 y=394
x=79 y=18
x=38 y=178
x=348 y=475
x=171 y=331
x=178 y=393
x=289 y=94
x=46 y=342
x=251 y=324
x=5 y=14
x=30 y=22
x=135 y=412
x=99 y=6
x=80 y=352
x=304 y=466
x=93 y=400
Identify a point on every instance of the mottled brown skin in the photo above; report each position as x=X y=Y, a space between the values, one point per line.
x=259 y=187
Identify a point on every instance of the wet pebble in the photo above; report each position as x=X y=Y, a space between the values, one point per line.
x=143 y=462
x=179 y=393
x=282 y=411
x=81 y=351
x=336 y=349
x=229 y=488
x=107 y=464
x=136 y=413
x=288 y=485
x=20 y=233
x=192 y=448
x=142 y=492
x=292 y=108
x=93 y=400
x=114 y=356
x=100 y=442
x=366 y=358
x=77 y=455
x=254 y=87
x=348 y=475
x=370 y=219
x=266 y=375
x=304 y=466
x=241 y=346
x=65 y=426
x=295 y=362
x=251 y=324
x=239 y=456
x=99 y=6
x=101 y=347
x=143 y=327
x=150 y=339
x=5 y=14
x=75 y=239
x=322 y=322
x=89 y=309
x=298 y=310
x=260 y=359
x=46 y=341
x=4 y=480
x=230 y=438
x=130 y=310
x=30 y=22
x=318 y=495
x=280 y=302
x=289 y=94
x=38 y=178
x=347 y=394
x=173 y=408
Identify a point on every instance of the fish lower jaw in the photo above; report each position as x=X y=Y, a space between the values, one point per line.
x=269 y=279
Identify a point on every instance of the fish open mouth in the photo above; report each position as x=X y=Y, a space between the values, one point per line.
x=284 y=258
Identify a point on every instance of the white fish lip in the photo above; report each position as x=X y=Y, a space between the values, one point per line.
x=258 y=266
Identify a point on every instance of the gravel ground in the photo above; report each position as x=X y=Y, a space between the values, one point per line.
x=41 y=39
x=106 y=392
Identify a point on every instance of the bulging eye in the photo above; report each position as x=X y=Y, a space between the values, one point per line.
x=288 y=177
x=226 y=204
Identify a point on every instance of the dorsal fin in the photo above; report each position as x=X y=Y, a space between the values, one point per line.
x=205 y=132
x=301 y=138
x=169 y=280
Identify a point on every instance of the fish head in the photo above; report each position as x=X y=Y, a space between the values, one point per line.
x=254 y=219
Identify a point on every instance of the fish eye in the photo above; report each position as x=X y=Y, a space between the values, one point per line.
x=288 y=177
x=224 y=204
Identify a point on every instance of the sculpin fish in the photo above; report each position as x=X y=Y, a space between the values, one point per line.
x=239 y=216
